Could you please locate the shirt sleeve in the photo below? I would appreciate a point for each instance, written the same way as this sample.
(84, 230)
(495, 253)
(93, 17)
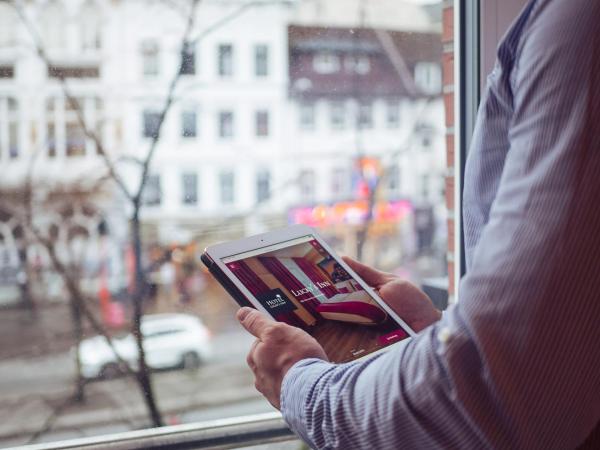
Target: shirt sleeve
(515, 363)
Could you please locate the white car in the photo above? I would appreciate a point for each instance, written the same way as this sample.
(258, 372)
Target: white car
(170, 340)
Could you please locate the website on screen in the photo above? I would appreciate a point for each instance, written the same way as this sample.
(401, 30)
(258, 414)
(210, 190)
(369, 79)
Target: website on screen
(301, 284)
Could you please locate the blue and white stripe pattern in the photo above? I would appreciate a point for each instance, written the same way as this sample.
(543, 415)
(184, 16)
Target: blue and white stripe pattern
(516, 363)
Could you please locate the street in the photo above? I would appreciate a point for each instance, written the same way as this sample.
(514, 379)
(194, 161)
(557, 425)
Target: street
(33, 393)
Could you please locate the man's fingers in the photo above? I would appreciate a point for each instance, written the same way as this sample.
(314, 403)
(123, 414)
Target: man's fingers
(372, 276)
(253, 321)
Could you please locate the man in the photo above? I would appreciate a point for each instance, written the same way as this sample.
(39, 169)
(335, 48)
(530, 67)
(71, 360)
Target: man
(516, 363)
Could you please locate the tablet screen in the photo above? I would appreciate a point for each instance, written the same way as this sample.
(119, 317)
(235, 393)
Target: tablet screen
(298, 282)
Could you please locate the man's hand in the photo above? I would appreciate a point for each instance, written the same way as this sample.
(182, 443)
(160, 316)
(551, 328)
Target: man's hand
(407, 300)
(277, 348)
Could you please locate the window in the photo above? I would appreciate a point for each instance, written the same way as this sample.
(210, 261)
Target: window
(189, 123)
(307, 185)
(150, 56)
(425, 185)
(326, 63)
(189, 189)
(226, 124)
(225, 56)
(392, 114)
(53, 21)
(365, 115)
(263, 132)
(393, 179)
(89, 26)
(227, 187)
(307, 116)
(73, 71)
(188, 59)
(338, 115)
(153, 191)
(261, 61)
(339, 182)
(263, 186)
(151, 124)
(7, 72)
(8, 21)
(428, 77)
(262, 123)
(9, 128)
(357, 64)
(65, 134)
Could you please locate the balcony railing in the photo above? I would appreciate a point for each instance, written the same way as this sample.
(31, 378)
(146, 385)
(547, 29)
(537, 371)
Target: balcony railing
(217, 434)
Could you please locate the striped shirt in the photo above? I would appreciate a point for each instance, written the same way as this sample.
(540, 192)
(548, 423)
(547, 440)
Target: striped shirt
(516, 363)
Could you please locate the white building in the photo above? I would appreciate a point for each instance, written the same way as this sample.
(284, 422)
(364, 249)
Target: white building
(244, 140)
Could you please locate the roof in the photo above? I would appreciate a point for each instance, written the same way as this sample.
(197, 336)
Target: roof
(393, 56)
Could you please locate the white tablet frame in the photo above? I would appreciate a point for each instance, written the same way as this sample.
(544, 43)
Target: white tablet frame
(223, 250)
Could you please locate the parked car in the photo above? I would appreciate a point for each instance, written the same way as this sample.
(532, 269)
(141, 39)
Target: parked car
(170, 341)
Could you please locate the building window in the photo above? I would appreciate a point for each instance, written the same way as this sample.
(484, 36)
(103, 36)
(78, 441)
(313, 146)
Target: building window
(428, 77)
(188, 59)
(326, 62)
(189, 189)
(225, 57)
(8, 22)
(226, 124)
(151, 124)
(392, 114)
(307, 116)
(261, 60)
(365, 115)
(393, 179)
(357, 64)
(307, 185)
(262, 123)
(263, 186)
(339, 182)
(150, 56)
(189, 123)
(9, 128)
(89, 24)
(65, 134)
(53, 25)
(425, 182)
(227, 185)
(7, 71)
(152, 191)
(71, 71)
(338, 115)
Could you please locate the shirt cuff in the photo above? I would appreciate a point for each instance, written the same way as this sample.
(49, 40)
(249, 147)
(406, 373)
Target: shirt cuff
(297, 385)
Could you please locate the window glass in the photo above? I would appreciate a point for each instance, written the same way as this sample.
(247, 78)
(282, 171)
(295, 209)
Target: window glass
(338, 115)
(263, 186)
(328, 113)
(262, 123)
(151, 121)
(261, 60)
(153, 191)
(307, 116)
(326, 62)
(227, 187)
(188, 59)
(150, 62)
(365, 115)
(225, 55)
(226, 124)
(189, 123)
(393, 114)
(189, 183)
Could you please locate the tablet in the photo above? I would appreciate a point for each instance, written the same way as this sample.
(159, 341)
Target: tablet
(293, 276)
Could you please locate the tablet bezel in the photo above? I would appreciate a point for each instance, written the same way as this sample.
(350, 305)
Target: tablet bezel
(228, 249)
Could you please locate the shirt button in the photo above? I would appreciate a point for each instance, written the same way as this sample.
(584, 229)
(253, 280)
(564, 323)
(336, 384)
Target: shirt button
(444, 335)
